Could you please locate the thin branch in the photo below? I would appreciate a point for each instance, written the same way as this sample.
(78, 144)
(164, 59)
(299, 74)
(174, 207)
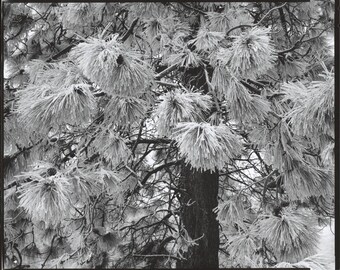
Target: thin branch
(301, 41)
(50, 252)
(149, 141)
(9, 158)
(251, 88)
(62, 52)
(239, 26)
(165, 72)
(270, 11)
(256, 24)
(130, 31)
(167, 84)
(159, 168)
(15, 246)
(211, 89)
(193, 8)
(138, 137)
(157, 255)
(148, 175)
(18, 182)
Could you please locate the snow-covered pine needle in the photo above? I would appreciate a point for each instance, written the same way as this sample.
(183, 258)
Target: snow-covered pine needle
(242, 246)
(219, 21)
(178, 107)
(244, 106)
(206, 147)
(289, 68)
(52, 107)
(227, 19)
(314, 262)
(112, 67)
(184, 58)
(305, 181)
(53, 75)
(124, 110)
(251, 53)
(313, 110)
(291, 236)
(206, 40)
(231, 212)
(46, 198)
(111, 147)
(77, 15)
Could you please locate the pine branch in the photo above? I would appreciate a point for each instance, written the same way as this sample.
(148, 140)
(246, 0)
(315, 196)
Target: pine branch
(17, 183)
(166, 84)
(138, 137)
(298, 44)
(50, 252)
(251, 88)
(149, 141)
(284, 23)
(238, 26)
(193, 8)
(62, 52)
(211, 89)
(159, 168)
(10, 158)
(15, 247)
(130, 31)
(158, 255)
(256, 24)
(99, 94)
(165, 72)
(148, 175)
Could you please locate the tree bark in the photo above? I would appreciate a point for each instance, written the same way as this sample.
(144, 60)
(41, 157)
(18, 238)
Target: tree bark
(200, 199)
(198, 218)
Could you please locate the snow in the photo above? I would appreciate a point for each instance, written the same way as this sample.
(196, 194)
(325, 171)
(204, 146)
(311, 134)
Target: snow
(326, 244)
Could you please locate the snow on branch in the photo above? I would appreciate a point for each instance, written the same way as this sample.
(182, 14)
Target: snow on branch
(178, 107)
(206, 147)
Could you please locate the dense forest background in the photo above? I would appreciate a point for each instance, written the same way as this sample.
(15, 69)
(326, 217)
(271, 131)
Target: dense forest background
(164, 135)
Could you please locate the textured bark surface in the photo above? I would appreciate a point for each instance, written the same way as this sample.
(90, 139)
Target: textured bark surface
(198, 218)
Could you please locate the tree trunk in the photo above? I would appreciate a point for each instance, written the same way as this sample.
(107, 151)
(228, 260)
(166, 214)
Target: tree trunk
(198, 218)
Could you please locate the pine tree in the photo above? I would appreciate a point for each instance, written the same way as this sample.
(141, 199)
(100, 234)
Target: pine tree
(164, 135)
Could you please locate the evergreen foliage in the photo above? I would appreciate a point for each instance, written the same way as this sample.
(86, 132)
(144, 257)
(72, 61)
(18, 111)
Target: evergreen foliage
(117, 116)
(214, 144)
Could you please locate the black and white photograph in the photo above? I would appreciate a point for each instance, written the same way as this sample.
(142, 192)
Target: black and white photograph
(160, 135)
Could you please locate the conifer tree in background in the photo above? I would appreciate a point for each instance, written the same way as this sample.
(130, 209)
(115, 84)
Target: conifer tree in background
(164, 135)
